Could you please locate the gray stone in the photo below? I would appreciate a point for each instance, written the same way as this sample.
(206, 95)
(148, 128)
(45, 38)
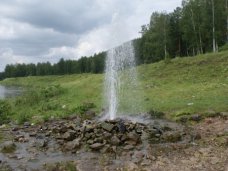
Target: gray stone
(98, 140)
(128, 147)
(152, 132)
(63, 129)
(32, 134)
(90, 142)
(123, 138)
(105, 149)
(41, 143)
(171, 136)
(88, 135)
(69, 135)
(107, 126)
(196, 118)
(146, 163)
(133, 137)
(18, 137)
(73, 145)
(138, 130)
(71, 126)
(89, 114)
(121, 126)
(27, 124)
(107, 135)
(89, 128)
(131, 127)
(96, 146)
(16, 128)
(115, 140)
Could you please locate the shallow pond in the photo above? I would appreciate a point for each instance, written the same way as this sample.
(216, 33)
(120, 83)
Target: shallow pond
(9, 91)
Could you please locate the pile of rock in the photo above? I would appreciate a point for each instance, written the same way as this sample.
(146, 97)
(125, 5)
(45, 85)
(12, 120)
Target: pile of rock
(106, 136)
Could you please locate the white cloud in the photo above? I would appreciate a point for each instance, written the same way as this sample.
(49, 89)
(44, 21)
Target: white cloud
(70, 29)
(7, 57)
(120, 29)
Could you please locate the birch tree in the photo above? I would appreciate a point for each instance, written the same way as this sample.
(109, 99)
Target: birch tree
(213, 24)
(227, 21)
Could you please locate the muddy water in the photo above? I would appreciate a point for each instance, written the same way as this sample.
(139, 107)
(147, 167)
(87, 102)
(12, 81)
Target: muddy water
(28, 156)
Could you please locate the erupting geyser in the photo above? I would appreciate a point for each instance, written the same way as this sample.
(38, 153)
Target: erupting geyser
(121, 81)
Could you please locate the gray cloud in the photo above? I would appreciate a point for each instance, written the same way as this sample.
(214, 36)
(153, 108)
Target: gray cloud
(36, 30)
(63, 16)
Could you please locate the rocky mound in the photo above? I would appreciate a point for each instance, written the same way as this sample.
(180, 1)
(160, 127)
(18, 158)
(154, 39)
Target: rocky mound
(104, 136)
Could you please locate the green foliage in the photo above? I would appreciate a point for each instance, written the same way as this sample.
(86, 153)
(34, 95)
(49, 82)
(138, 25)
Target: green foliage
(92, 64)
(156, 114)
(81, 109)
(60, 166)
(22, 117)
(51, 91)
(5, 111)
(224, 47)
(187, 31)
(34, 96)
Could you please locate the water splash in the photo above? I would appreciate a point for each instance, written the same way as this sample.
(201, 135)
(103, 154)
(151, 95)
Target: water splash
(121, 81)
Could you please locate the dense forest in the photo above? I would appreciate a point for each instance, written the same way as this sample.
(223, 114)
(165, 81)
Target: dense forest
(198, 27)
(93, 64)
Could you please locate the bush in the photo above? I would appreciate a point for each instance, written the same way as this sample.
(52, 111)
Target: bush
(49, 106)
(156, 114)
(224, 47)
(5, 111)
(85, 107)
(51, 91)
(35, 96)
(22, 118)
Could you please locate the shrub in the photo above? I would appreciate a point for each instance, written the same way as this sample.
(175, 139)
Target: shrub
(156, 114)
(224, 47)
(5, 111)
(51, 91)
(85, 107)
(34, 96)
(22, 118)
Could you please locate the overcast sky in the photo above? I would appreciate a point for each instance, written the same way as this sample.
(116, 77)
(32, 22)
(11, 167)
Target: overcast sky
(39, 31)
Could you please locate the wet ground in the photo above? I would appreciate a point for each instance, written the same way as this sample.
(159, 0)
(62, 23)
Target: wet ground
(75, 144)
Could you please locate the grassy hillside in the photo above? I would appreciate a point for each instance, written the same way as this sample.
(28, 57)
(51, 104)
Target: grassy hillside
(182, 85)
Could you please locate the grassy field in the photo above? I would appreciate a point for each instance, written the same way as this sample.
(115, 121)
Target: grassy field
(179, 86)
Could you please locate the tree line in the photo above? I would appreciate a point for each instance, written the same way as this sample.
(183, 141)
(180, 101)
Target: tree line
(93, 64)
(197, 27)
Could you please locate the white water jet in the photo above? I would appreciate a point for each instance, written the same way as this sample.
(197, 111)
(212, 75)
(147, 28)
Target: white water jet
(120, 81)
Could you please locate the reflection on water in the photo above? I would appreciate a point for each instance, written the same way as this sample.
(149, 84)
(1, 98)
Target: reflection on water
(6, 91)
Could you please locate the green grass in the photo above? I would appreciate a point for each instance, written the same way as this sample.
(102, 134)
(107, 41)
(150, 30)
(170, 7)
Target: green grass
(183, 85)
